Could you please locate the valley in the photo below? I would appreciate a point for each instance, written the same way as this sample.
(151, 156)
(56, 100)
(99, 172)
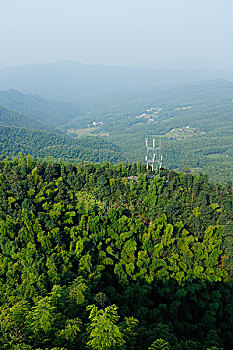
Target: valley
(83, 229)
(194, 121)
(116, 175)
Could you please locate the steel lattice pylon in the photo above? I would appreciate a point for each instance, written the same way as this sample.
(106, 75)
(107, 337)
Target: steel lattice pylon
(153, 158)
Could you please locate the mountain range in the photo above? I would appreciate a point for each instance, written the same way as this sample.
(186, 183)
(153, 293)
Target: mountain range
(70, 81)
(93, 113)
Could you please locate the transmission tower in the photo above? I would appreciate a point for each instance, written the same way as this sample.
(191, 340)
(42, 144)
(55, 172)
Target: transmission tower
(153, 159)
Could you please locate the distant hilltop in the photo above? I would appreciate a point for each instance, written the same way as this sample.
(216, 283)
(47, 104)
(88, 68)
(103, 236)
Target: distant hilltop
(70, 80)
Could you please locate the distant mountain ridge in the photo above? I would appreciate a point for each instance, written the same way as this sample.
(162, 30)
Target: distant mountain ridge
(69, 81)
(196, 92)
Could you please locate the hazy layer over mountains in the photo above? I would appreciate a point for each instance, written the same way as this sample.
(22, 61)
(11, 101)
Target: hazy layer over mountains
(70, 80)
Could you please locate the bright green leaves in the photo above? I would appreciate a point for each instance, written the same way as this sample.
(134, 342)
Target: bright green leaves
(85, 264)
(196, 212)
(159, 344)
(77, 235)
(56, 211)
(79, 247)
(228, 245)
(207, 256)
(53, 272)
(167, 235)
(164, 251)
(104, 334)
(42, 317)
(14, 323)
(33, 177)
(129, 330)
(11, 200)
(128, 251)
(69, 334)
(77, 290)
(174, 253)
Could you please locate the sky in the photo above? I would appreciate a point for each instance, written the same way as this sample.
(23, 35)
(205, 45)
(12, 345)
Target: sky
(170, 34)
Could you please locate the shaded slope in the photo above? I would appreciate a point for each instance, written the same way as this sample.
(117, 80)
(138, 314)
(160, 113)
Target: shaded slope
(37, 107)
(15, 119)
(43, 144)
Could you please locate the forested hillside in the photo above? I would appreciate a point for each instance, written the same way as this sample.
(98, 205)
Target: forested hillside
(93, 260)
(193, 121)
(14, 119)
(44, 144)
(38, 108)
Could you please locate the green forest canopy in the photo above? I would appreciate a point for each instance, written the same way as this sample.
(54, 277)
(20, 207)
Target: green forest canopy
(92, 260)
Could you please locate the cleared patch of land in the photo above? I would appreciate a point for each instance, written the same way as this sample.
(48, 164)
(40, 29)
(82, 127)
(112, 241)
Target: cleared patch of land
(92, 131)
(183, 132)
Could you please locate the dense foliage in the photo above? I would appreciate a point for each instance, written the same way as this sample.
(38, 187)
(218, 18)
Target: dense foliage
(37, 108)
(14, 119)
(90, 259)
(39, 143)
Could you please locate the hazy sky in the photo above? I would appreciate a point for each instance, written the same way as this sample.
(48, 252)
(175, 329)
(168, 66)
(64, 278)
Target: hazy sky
(187, 34)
